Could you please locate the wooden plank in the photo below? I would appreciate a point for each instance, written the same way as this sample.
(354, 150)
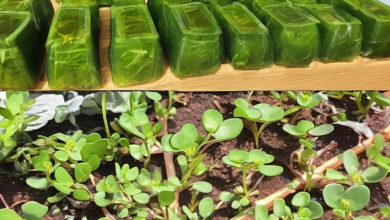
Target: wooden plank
(361, 74)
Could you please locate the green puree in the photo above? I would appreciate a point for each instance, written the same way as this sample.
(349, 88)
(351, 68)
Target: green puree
(340, 33)
(293, 31)
(24, 27)
(192, 39)
(135, 52)
(375, 18)
(72, 51)
(247, 41)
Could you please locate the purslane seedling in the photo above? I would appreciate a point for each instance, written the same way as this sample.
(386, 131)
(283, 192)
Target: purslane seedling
(282, 95)
(31, 211)
(260, 113)
(306, 209)
(246, 161)
(374, 153)
(356, 176)
(306, 131)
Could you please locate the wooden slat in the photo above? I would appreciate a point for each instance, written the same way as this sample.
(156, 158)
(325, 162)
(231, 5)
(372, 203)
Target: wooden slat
(361, 74)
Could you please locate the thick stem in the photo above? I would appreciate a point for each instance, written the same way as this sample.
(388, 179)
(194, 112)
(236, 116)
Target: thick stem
(244, 184)
(104, 112)
(256, 134)
(146, 163)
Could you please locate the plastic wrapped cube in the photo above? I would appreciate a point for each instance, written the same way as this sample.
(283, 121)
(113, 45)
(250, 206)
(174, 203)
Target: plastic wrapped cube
(93, 6)
(375, 18)
(19, 67)
(128, 2)
(340, 32)
(157, 8)
(192, 39)
(135, 51)
(247, 41)
(293, 31)
(72, 52)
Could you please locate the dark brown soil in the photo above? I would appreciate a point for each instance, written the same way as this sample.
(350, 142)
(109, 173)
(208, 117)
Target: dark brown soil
(273, 140)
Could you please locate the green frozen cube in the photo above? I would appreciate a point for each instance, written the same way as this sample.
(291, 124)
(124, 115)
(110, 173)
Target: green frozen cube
(93, 6)
(72, 52)
(19, 67)
(293, 31)
(192, 39)
(135, 51)
(340, 33)
(247, 41)
(375, 18)
(128, 2)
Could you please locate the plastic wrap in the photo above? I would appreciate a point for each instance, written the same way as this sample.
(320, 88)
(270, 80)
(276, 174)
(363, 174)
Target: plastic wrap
(375, 18)
(247, 41)
(72, 50)
(128, 2)
(293, 31)
(135, 51)
(192, 39)
(340, 32)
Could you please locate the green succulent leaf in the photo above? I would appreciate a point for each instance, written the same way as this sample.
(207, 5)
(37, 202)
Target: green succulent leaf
(9, 214)
(239, 156)
(155, 96)
(94, 162)
(321, 130)
(226, 196)
(374, 174)
(316, 209)
(241, 103)
(382, 161)
(144, 180)
(135, 151)
(141, 198)
(260, 157)
(357, 196)
(333, 174)
(340, 213)
(165, 198)
(183, 163)
(99, 147)
(34, 211)
(301, 199)
(62, 188)
(56, 198)
(63, 177)
(380, 98)
(206, 207)
(132, 174)
(203, 187)
(350, 162)
(185, 138)
(82, 172)
(333, 194)
(157, 128)
(131, 190)
(102, 199)
(366, 217)
(200, 169)
(261, 212)
(269, 114)
(270, 170)
(279, 207)
(61, 156)
(38, 182)
(251, 114)
(244, 201)
(81, 195)
(310, 100)
(212, 119)
(93, 137)
(229, 129)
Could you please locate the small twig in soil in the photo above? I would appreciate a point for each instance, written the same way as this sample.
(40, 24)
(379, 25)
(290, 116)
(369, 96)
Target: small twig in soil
(218, 105)
(92, 178)
(4, 202)
(18, 202)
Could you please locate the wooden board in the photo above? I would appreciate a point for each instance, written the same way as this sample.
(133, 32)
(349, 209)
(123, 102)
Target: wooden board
(361, 74)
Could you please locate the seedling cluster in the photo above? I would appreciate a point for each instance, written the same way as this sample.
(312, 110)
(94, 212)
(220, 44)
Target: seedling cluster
(67, 162)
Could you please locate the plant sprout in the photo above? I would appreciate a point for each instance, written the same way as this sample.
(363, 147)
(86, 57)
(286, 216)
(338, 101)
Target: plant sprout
(261, 113)
(282, 95)
(374, 153)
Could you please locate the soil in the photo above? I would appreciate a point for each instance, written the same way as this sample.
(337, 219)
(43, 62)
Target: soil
(223, 178)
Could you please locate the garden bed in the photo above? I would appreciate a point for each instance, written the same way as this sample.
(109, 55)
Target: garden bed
(273, 141)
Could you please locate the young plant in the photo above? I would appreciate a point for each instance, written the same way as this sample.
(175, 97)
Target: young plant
(31, 211)
(306, 99)
(14, 121)
(344, 202)
(355, 175)
(193, 144)
(282, 95)
(373, 96)
(306, 131)
(246, 161)
(374, 153)
(260, 113)
(306, 209)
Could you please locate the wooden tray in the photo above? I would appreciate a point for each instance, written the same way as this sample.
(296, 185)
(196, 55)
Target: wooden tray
(361, 74)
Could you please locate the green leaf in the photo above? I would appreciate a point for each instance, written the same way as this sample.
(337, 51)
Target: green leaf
(333, 174)
(82, 172)
(239, 156)
(141, 198)
(102, 200)
(226, 196)
(244, 201)
(203, 187)
(6, 113)
(374, 174)
(157, 128)
(93, 137)
(340, 213)
(380, 98)
(301, 199)
(293, 130)
(56, 198)
(279, 207)
(182, 161)
(229, 129)
(260, 157)
(241, 103)
(212, 119)
(62, 188)
(131, 190)
(316, 209)
(99, 147)
(34, 211)
(378, 141)
(166, 144)
(270, 170)
(350, 162)
(185, 138)
(252, 114)
(165, 198)
(38, 182)
(385, 211)
(63, 177)
(321, 130)
(309, 100)
(144, 180)
(122, 212)
(81, 195)
(307, 142)
(132, 174)
(269, 114)
(382, 161)
(206, 207)
(135, 151)
(155, 96)
(200, 169)
(261, 212)
(61, 156)
(333, 194)
(358, 197)
(366, 217)
(9, 214)
(94, 161)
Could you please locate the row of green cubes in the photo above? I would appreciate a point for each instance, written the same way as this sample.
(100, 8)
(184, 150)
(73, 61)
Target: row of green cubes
(196, 37)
